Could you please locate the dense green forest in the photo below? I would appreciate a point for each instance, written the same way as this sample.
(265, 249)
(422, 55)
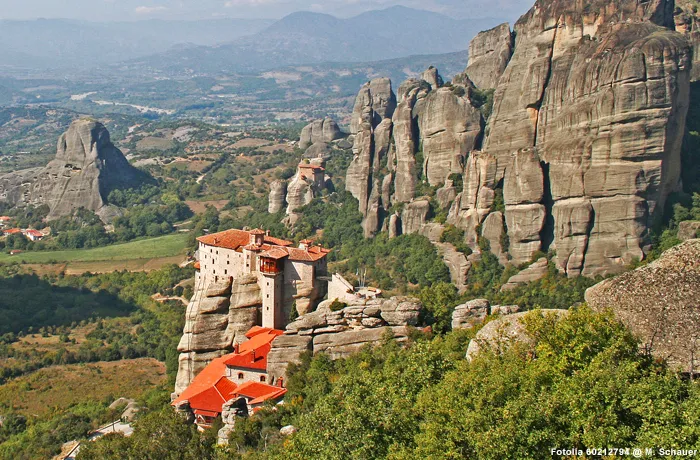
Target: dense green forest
(582, 384)
(124, 323)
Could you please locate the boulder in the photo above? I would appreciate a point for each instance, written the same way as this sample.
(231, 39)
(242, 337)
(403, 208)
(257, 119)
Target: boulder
(689, 230)
(659, 303)
(319, 131)
(470, 314)
(503, 332)
(344, 332)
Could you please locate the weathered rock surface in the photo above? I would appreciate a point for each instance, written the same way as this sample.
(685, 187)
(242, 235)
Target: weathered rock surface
(450, 127)
(414, 216)
(319, 131)
(502, 333)
(475, 311)
(278, 197)
(687, 22)
(217, 317)
(532, 273)
(689, 230)
(489, 53)
(470, 314)
(344, 332)
(660, 303)
(86, 168)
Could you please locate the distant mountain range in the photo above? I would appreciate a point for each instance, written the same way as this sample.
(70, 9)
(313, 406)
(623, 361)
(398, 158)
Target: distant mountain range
(61, 43)
(232, 45)
(312, 38)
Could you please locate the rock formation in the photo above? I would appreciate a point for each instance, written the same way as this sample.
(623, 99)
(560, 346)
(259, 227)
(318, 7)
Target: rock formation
(278, 197)
(86, 168)
(532, 273)
(343, 332)
(489, 53)
(580, 151)
(687, 22)
(504, 332)
(319, 132)
(475, 311)
(309, 182)
(660, 303)
(689, 230)
(217, 317)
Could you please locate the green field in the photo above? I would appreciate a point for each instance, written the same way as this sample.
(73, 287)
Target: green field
(164, 246)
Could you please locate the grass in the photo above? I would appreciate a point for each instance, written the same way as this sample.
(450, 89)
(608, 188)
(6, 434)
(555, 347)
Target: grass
(163, 246)
(59, 387)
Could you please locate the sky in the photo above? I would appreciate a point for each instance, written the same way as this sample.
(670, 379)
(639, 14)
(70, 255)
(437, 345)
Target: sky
(131, 10)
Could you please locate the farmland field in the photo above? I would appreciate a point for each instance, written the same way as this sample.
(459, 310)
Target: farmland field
(153, 248)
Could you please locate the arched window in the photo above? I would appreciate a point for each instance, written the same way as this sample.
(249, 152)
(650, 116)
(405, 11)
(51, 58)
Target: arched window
(262, 378)
(240, 376)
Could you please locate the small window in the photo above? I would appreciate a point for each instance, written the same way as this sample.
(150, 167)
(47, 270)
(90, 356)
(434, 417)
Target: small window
(240, 376)
(268, 283)
(225, 272)
(262, 378)
(268, 296)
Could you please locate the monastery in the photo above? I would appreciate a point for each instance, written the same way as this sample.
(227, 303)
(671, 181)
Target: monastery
(286, 274)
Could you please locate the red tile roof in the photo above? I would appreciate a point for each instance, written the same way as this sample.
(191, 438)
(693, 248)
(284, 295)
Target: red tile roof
(34, 233)
(252, 354)
(238, 239)
(12, 231)
(235, 239)
(275, 253)
(258, 393)
(210, 389)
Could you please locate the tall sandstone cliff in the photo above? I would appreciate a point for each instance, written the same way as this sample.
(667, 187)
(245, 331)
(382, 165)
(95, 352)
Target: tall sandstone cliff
(86, 168)
(582, 146)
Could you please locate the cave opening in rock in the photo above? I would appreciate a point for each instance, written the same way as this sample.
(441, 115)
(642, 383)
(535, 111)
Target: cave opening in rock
(547, 232)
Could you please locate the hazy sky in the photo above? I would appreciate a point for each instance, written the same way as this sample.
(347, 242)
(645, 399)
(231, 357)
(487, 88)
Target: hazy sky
(111, 10)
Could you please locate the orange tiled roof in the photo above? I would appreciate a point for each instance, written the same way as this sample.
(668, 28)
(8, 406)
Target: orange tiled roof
(275, 253)
(235, 239)
(34, 233)
(252, 354)
(258, 392)
(210, 389)
(205, 390)
(12, 231)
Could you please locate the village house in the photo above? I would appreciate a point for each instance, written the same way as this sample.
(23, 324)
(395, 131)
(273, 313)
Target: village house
(240, 376)
(33, 235)
(5, 221)
(286, 274)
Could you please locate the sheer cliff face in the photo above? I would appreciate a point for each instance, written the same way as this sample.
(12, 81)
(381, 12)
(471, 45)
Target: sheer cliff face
(583, 141)
(86, 168)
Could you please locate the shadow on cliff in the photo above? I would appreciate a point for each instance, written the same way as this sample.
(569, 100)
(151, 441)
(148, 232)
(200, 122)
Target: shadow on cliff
(28, 301)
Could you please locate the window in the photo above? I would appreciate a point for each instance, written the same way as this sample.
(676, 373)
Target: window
(240, 376)
(268, 296)
(262, 378)
(225, 272)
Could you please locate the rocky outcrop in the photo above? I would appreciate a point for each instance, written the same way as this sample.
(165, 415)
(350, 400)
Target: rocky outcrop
(660, 303)
(414, 216)
(344, 332)
(489, 53)
(502, 333)
(689, 230)
(278, 197)
(217, 317)
(319, 132)
(532, 273)
(475, 311)
(86, 169)
(687, 22)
